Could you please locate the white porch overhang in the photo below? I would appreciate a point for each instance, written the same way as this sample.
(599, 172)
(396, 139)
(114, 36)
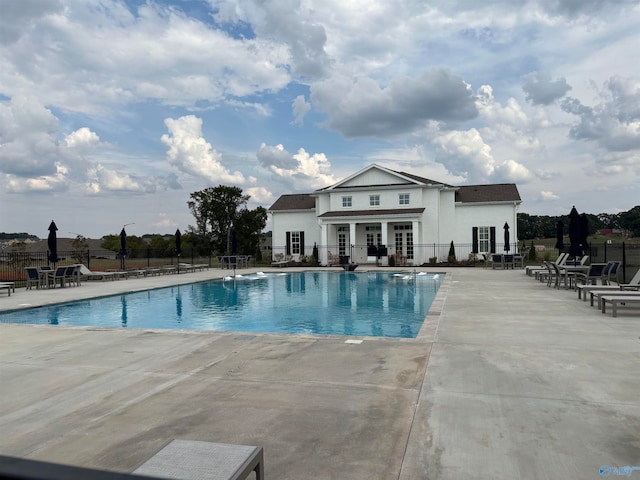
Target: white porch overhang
(370, 215)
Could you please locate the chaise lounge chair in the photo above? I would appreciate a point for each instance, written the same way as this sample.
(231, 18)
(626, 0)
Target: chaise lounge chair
(86, 274)
(280, 260)
(633, 285)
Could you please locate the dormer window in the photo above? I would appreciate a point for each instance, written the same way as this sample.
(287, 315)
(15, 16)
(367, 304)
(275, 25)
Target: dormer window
(374, 200)
(403, 199)
(346, 201)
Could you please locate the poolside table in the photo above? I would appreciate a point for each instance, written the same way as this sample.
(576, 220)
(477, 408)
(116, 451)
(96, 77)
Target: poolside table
(8, 286)
(187, 459)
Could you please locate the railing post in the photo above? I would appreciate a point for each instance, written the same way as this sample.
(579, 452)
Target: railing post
(624, 263)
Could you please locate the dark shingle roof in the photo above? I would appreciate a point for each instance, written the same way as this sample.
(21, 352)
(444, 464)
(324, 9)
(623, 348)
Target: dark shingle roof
(297, 201)
(498, 192)
(426, 181)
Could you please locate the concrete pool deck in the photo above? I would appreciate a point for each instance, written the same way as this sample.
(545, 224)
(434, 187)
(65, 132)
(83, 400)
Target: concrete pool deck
(509, 379)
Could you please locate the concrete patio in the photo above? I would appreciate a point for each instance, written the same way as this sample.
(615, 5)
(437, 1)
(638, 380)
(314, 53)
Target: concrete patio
(508, 379)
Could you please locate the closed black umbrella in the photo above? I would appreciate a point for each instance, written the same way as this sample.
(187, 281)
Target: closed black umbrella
(123, 242)
(52, 243)
(560, 236)
(123, 247)
(178, 242)
(178, 246)
(506, 237)
(574, 233)
(584, 233)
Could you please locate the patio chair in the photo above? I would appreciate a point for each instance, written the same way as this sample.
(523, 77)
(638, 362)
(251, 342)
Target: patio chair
(518, 260)
(33, 277)
(60, 274)
(333, 259)
(551, 274)
(533, 270)
(594, 274)
(280, 260)
(612, 275)
(72, 275)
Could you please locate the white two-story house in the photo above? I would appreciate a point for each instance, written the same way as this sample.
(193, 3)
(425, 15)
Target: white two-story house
(408, 216)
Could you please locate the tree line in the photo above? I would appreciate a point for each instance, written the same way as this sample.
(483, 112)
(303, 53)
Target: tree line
(223, 226)
(544, 226)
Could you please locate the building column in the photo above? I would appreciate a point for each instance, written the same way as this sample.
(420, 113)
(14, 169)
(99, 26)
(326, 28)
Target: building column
(352, 240)
(323, 256)
(417, 240)
(384, 226)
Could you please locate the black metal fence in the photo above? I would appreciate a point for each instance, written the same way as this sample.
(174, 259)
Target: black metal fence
(626, 253)
(12, 264)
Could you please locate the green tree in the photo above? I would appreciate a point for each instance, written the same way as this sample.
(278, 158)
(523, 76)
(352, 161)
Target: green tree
(136, 246)
(80, 248)
(630, 220)
(161, 247)
(248, 226)
(219, 210)
(111, 242)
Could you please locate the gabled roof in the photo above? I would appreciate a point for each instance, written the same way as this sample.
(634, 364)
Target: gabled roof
(490, 193)
(424, 180)
(399, 178)
(296, 201)
(496, 192)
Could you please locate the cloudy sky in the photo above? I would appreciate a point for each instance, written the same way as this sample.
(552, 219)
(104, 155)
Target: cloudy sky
(113, 112)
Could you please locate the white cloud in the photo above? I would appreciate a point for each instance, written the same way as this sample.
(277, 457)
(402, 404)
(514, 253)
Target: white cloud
(260, 195)
(541, 90)
(82, 140)
(361, 107)
(28, 135)
(614, 123)
(301, 170)
(190, 152)
(300, 108)
(464, 153)
(511, 171)
(547, 195)
(289, 22)
(106, 56)
(44, 183)
(33, 159)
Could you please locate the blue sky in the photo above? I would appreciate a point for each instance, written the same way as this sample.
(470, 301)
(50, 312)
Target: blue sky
(113, 112)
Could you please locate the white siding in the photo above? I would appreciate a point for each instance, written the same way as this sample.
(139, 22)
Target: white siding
(469, 216)
(304, 221)
(373, 176)
(441, 222)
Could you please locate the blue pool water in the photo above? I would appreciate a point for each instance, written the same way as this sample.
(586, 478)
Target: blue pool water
(382, 304)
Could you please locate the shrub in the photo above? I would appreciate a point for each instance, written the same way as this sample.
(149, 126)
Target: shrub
(452, 253)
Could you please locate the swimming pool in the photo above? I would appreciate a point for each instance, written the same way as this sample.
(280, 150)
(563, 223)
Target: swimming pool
(381, 304)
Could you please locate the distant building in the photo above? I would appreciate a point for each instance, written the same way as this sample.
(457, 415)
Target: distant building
(399, 211)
